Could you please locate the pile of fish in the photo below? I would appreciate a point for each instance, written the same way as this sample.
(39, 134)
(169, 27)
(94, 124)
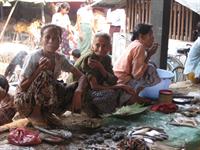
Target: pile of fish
(113, 133)
(149, 134)
(184, 121)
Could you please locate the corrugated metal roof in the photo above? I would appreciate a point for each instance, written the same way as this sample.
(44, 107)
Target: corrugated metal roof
(109, 3)
(46, 1)
(191, 4)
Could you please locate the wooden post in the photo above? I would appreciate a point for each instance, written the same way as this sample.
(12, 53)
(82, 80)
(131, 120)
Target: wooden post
(42, 13)
(160, 18)
(7, 21)
(1, 7)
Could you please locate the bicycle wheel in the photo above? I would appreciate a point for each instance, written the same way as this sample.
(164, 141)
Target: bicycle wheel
(178, 74)
(170, 67)
(174, 61)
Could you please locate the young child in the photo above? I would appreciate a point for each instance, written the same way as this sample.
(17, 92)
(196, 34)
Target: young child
(75, 54)
(61, 18)
(104, 93)
(7, 109)
(39, 95)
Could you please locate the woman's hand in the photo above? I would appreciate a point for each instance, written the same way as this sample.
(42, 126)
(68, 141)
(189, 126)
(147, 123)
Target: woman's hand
(152, 50)
(76, 102)
(44, 64)
(94, 64)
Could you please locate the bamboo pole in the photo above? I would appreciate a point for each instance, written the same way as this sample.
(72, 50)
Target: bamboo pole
(7, 21)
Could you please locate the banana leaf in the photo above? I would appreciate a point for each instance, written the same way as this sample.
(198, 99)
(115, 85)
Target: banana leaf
(129, 110)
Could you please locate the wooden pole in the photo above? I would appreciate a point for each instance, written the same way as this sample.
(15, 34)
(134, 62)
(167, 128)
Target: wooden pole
(160, 18)
(42, 13)
(1, 5)
(7, 21)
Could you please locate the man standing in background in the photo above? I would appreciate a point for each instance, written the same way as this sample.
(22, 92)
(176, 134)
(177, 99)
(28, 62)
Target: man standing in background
(116, 19)
(85, 27)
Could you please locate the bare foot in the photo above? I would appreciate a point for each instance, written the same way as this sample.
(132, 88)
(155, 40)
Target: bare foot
(36, 117)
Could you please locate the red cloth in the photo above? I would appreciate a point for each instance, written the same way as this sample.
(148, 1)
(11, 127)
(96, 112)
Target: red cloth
(165, 108)
(24, 137)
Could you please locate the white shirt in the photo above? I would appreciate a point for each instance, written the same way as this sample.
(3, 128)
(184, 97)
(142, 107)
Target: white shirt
(193, 61)
(32, 61)
(85, 14)
(61, 20)
(116, 17)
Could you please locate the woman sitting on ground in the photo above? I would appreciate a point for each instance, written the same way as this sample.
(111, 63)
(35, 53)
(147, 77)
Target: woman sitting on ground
(39, 95)
(7, 109)
(104, 95)
(133, 67)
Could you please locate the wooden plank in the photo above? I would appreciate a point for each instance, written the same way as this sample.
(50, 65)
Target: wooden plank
(146, 11)
(182, 23)
(190, 27)
(149, 12)
(179, 21)
(133, 14)
(143, 11)
(186, 25)
(171, 20)
(135, 18)
(139, 12)
(174, 20)
(127, 16)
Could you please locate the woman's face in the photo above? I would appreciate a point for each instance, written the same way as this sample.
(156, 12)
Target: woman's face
(64, 11)
(148, 39)
(51, 39)
(101, 46)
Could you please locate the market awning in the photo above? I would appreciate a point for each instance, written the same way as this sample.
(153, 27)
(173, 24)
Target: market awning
(109, 3)
(45, 1)
(191, 4)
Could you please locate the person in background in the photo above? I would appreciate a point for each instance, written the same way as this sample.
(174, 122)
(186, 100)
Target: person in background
(85, 27)
(40, 96)
(192, 65)
(116, 19)
(104, 94)
(7, 109)
(76, 54)
(61, 18)
(14, 67)
(133, 67)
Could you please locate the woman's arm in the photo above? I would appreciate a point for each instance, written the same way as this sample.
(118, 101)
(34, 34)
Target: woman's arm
(151, 51)
(95, 86)
(26, 82)
(80, 77)
(106, 72)
(78, 94)
(2, 93)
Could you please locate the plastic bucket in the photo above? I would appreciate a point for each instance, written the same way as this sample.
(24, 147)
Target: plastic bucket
(152, 92)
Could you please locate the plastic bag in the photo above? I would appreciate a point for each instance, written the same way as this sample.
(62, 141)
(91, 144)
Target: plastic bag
(24, 137)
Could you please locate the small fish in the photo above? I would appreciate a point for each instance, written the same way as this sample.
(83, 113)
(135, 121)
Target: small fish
(141, 131)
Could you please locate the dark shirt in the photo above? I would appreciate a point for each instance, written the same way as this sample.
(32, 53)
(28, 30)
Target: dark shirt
(82, 65)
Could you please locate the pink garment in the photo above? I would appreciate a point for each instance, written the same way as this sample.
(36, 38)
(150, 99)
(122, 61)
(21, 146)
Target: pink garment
(132, 63)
